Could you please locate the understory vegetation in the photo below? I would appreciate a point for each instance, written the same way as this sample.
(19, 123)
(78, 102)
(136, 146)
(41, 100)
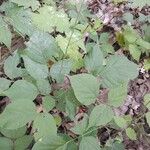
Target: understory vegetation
(70, 75)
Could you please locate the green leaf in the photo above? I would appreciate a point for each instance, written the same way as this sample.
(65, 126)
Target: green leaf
(131, 133)
(71, 103)
(143, 44)
(21, 21)
(53, 20)
(41, 47)
(10, 66)
(45, 125)
(50, 143)
(135, 51)
(120, 121)
(43, 86)
(4, 84)
(118, 70)
(67, 102)
(23, 142)
(36, 70)
(70, 47)
(5, 34)
(147, 64)
(58, 120)
(60, 69)
(128, 17)
(50, 2)
(89, 143)
(72, 146)
(140, 3)
(117, 95)
(107, 49)
(17, 114)
(117, 146)
(147, 101)
(34, 4)
(5, 6)
(48, 103)
(130, 35)
(86, 88)
(148, 118)
(100, 115)
(6, 144)
(94, 60)
(81, 126)
(22, 90)
(71, 106)
(14, 134)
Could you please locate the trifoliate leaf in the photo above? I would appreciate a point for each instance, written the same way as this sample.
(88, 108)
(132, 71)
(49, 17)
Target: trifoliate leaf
(10, 66)
(36, 70)
(48, 103)
(43, 86)
(41, 47)
(118, 70)
(5, 34)
(60, 69)
(116, 95)
(100, 115)
(34, 4)
(131, 133)
(94, 60)
(86, 88)
(45, 125)
(17, 114)
(22, 90)
(53, 20)
(23, 142)
(4, 84)
(14, 134)
(89, 143)
(6, 144)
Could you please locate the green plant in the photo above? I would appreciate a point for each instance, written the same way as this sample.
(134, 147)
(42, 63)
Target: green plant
(44, 77)
(131, 40)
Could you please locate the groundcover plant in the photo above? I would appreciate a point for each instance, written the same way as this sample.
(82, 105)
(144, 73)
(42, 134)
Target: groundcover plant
(66, 75)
